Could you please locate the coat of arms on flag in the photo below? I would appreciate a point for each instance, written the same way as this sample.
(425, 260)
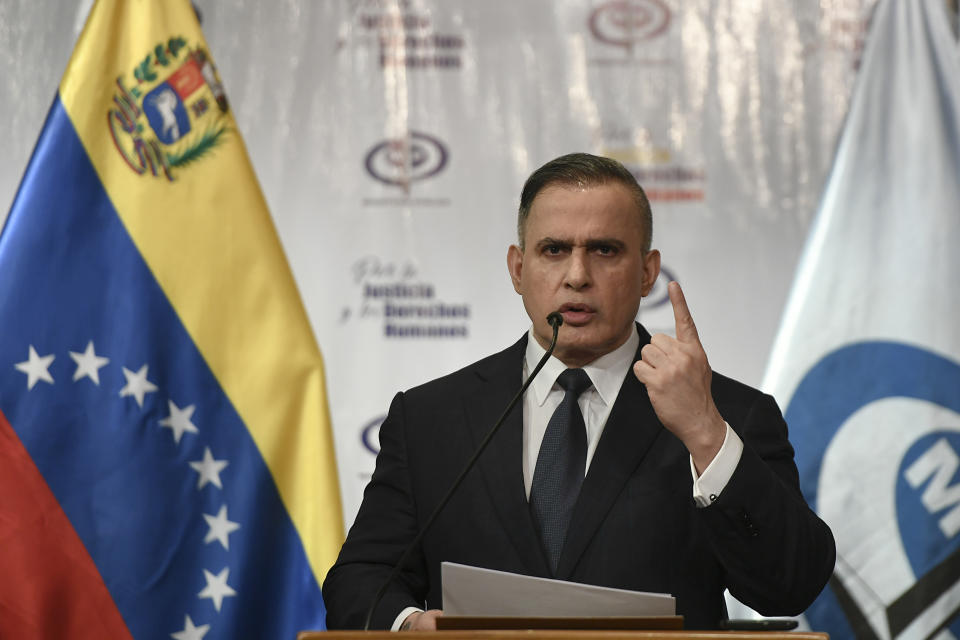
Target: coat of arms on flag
(176, 90)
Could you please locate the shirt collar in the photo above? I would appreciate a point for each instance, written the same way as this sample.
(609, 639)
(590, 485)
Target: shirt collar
(606, 372)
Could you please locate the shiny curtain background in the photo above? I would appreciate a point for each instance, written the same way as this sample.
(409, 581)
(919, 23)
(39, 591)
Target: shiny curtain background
(394, 185)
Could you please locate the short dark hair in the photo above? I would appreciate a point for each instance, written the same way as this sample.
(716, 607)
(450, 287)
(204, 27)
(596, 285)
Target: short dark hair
(586, 170)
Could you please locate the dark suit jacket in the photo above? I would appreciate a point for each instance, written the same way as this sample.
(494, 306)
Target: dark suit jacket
(635, 525)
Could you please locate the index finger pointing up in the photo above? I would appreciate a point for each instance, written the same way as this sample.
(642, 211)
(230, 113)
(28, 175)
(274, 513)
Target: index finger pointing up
(686, 329)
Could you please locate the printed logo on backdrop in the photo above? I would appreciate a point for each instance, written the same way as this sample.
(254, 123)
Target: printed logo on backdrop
(401, 34)
(655, 312)
(659, 169)
(876, 427)
(399, 163)
(658, 296)
(370, 439)
(844, 31)
(625, 29)
(370, 434)
(403, 305)
(169, 110)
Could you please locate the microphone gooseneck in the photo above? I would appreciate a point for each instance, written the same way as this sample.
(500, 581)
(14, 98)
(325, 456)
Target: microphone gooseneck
(555, 320)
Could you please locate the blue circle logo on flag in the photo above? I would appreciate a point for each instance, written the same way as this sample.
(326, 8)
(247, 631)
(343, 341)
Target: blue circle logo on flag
(876, 427)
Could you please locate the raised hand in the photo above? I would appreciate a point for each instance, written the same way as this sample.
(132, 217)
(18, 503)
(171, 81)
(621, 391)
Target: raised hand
(677, 376)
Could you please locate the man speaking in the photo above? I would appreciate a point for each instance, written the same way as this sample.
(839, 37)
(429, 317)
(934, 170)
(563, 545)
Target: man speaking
(630, 464)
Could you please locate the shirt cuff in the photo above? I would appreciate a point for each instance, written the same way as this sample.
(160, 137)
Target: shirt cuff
(403, 616)
(707, 488)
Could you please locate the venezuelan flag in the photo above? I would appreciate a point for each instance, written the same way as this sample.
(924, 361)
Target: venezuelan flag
(166, 463)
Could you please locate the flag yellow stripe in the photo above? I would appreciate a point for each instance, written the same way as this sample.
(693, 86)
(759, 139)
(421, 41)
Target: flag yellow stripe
(208, 239)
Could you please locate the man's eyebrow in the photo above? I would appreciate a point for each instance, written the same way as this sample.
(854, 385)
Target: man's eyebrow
(593, 243)
(553, 242)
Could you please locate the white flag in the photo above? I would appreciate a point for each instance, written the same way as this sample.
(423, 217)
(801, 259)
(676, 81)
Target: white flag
(867, 360)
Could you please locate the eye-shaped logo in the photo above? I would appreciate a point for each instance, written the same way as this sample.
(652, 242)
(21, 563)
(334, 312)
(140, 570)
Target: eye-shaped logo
(624, 23)
(659, 295)
(370, 435)
(401, 161)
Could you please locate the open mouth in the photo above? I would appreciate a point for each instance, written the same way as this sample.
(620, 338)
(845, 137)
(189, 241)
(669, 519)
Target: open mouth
(576, 313)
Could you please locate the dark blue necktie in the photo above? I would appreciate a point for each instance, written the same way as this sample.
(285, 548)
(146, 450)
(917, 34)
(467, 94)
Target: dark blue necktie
(560, 466)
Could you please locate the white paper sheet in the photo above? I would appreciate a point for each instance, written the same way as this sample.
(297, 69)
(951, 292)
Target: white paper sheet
(472, 591)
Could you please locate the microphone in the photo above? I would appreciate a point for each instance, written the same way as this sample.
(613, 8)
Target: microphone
(555, 320)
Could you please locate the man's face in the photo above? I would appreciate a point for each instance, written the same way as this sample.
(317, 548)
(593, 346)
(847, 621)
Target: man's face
(583, 256)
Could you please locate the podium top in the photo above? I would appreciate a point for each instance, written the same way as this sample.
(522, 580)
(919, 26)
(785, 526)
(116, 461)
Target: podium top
(562, 635)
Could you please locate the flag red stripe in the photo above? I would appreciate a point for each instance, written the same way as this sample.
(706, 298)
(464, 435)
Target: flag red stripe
(50, 587)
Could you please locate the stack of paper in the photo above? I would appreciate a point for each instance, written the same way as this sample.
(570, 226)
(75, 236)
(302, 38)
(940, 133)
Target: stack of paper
(471, 591)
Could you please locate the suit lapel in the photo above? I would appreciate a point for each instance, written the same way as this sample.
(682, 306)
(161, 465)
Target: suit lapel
(499, 379)
(629, 433)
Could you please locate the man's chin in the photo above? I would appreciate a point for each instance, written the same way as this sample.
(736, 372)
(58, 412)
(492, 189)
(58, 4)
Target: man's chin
(577, 353)
(586, 344)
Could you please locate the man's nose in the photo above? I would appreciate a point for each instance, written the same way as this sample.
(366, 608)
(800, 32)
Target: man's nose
(578, 270)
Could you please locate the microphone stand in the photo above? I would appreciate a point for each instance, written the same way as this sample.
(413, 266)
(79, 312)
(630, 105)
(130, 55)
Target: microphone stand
(555, 320)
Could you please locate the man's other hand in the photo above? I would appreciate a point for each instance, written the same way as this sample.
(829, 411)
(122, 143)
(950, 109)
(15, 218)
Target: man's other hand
(422, 620)
(677, 376)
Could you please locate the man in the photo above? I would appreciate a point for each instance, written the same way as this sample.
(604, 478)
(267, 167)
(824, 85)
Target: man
(646, 471)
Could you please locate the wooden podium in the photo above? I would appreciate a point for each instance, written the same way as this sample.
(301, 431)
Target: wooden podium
(561, 635)
(600, 628)
(559, 628)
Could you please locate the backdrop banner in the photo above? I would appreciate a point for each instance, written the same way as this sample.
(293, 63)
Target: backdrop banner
(392, 137)
(400, 214)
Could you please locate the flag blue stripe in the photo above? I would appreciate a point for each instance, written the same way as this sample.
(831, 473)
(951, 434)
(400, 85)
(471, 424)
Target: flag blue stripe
(70, 274)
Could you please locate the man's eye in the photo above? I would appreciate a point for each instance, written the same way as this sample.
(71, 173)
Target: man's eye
(553, 249)
(606, 250)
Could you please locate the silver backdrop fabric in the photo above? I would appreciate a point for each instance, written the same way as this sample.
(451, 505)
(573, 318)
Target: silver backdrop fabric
(391, 138)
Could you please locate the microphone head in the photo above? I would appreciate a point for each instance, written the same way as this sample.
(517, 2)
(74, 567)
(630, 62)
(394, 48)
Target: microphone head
(555, 319)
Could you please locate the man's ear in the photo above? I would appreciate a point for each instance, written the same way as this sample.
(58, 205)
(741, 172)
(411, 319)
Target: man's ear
(515, 265)
(651, 271)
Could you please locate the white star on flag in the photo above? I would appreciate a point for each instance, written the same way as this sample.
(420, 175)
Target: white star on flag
(36, 368)
(209, 469)
(217, 588)
(88, 364)
(137, 384)
(190, 632)
(179, 421)
(220, 528)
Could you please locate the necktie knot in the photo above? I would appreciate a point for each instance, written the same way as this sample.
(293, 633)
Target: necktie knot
(574, 381)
